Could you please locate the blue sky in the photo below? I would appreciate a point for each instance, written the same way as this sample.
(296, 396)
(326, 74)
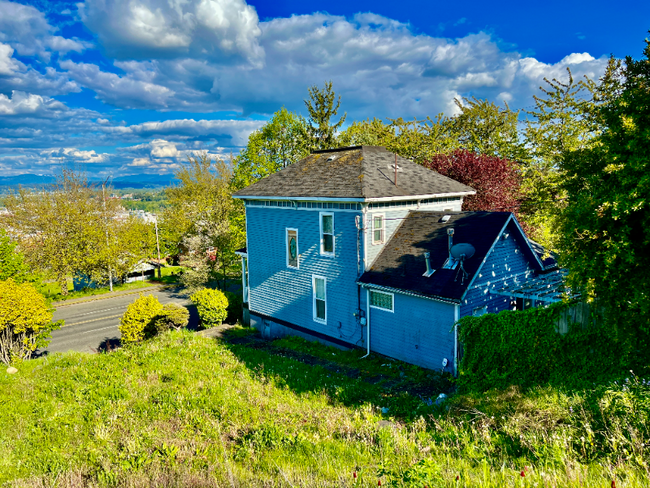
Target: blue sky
(133, 86)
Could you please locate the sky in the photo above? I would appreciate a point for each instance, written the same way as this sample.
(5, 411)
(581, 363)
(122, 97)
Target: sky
(127, 87)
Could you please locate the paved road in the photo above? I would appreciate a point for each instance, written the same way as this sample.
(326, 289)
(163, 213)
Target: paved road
(90, 325)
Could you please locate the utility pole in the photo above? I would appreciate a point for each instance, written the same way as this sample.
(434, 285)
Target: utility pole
(155, 221)
(110, 272)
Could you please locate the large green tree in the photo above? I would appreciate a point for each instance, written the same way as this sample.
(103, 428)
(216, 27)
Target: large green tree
(322, 105)
(202, 220)
(61, 230)
(281, 141)
(12, 261)
(605, 238)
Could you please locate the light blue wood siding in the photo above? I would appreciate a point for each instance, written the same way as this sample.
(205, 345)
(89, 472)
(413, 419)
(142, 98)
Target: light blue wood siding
(506, 264)
(393, 218)
(286, 293)
(419, 331)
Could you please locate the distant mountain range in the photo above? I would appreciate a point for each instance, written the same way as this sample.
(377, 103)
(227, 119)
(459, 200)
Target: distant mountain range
(130, 181)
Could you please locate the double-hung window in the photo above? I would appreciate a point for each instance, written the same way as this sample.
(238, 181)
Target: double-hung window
(381, 300)
(292, 248)
(320, 298)
(327, 233)
(377, 229)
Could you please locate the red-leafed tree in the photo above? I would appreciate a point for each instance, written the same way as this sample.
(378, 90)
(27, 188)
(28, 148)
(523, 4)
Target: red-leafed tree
(495, 180)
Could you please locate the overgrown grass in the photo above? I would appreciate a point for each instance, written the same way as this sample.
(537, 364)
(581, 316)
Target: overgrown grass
(183, 410)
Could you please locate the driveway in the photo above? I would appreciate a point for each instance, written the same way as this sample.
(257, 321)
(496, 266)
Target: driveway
(92, 325)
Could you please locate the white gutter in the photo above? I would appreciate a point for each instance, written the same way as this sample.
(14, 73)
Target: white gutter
(367, 324)
(421, 197)
(301, 199)
(357, 200)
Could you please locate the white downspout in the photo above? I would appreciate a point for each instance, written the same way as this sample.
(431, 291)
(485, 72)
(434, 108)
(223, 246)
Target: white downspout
(456, 319)
(367, 324)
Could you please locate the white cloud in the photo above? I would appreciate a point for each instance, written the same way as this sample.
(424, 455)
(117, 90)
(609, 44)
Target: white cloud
(8, 65)
(22, 103)
(206, 29)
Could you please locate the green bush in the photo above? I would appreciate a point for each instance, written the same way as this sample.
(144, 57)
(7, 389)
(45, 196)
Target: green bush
(235, 303)
(212, 306)
(524, 349)
(138, 322)
(173, 316)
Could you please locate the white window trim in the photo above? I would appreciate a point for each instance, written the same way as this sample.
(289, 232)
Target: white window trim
(286, 247)
(322, 241)
(392, 301)
(313, 292)
(383, 228)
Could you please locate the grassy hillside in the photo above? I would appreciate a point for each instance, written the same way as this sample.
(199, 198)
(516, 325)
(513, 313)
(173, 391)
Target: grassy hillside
(183, 410)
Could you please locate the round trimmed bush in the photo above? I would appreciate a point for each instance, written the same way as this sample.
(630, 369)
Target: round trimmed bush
(138, 322)
(212, 306)
(173, 316)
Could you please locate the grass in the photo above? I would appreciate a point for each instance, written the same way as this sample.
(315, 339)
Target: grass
(184, 410)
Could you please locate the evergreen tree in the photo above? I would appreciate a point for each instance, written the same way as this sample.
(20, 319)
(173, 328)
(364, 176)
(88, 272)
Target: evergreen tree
(321, 107)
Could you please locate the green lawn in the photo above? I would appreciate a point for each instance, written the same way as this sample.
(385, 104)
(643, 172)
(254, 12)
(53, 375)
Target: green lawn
(184, 410)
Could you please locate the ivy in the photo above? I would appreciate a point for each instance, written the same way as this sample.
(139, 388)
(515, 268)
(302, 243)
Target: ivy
(524, 348)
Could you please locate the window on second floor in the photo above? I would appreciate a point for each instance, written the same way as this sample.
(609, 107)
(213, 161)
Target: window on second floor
(292, 248)
(377, 229)
(326, 233)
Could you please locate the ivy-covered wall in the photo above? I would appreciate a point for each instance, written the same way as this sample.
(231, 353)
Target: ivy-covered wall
(524, 348)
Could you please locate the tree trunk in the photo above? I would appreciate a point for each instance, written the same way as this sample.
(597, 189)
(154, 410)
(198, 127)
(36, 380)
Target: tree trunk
(63, 282)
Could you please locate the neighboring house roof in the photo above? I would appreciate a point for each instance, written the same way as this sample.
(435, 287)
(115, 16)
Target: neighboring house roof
(548, 259)
(401, 264)
(361, 172)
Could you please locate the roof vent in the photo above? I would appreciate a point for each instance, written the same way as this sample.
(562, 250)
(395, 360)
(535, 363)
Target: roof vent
(332, 157)
(445, 218)
(430, 270)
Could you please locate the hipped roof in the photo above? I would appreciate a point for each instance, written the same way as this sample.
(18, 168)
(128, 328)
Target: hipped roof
(361, 172)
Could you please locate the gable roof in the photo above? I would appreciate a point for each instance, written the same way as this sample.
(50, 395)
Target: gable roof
(361, 173)
(401, 263)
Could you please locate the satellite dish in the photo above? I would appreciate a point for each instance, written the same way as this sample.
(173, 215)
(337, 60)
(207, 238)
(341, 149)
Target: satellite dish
(462, 251)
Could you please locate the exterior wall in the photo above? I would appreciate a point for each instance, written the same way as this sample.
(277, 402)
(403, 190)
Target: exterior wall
(419, 331)
(506, 264)
(393, 218)
(285, 293)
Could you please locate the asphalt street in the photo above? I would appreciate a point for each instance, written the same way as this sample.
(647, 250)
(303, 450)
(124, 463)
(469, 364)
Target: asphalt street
(91, 326)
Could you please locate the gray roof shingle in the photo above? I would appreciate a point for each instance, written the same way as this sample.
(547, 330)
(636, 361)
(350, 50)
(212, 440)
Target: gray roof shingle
(401, 263)
(362, 172)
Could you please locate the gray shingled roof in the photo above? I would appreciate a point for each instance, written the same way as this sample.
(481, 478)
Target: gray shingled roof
(401, 263)
(363, 172)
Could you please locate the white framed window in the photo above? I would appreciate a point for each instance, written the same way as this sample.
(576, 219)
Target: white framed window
(378, 229)
(381, 300)
(291, 239)
(326, 233)
(478, 311)
(319, 286)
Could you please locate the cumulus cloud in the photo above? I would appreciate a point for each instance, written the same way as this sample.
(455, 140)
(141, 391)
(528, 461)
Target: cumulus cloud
(22, 103)
(217, 30)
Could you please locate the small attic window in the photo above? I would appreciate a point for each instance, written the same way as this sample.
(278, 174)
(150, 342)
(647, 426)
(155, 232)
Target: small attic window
(332, 157)
(445, 218)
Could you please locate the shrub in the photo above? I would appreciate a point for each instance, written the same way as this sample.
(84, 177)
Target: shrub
(173, 316)
(25, 321)
(138, 322)
(212, 306)
(234, 307)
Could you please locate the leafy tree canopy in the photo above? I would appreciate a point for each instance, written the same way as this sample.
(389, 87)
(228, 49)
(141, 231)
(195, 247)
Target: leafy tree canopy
(12, 261)
(495, 180)
(606, 223)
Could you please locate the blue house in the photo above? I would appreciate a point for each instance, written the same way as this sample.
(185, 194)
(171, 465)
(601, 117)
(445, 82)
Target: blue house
(358, 247)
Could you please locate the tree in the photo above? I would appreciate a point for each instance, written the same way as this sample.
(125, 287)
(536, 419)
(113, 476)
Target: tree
(605, 227)
(12, 261)
(281, 141)
(321, 108)
(25, 321)
(60, 230)
(199, 218)
(417, 140)
(561, 124)
(485, 128)
(495, 180)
